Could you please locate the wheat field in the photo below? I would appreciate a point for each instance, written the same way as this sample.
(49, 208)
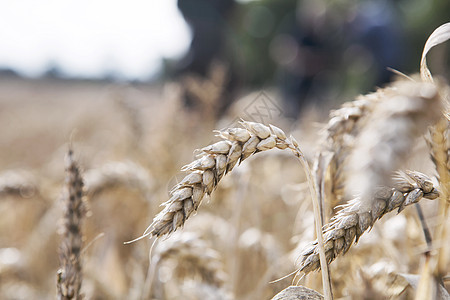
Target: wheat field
(86, 166)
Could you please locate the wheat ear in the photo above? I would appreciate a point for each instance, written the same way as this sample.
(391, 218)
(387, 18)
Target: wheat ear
(354, 219)
(389, 134)
(338, 141)
(215, 161)
(69, 276)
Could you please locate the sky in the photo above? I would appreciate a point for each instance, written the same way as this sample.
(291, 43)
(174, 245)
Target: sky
(91, 38)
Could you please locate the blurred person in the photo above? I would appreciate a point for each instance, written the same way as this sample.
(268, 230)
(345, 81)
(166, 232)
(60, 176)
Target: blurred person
(306, 52)
(311, 50)
(209, 22)
(325, 51)
(376, 29)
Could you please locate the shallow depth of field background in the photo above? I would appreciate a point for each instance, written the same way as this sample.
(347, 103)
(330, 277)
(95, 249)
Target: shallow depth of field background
(137, 90)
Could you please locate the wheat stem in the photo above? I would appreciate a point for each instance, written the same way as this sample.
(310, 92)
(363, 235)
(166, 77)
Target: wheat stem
(426, 230)
(326, 282)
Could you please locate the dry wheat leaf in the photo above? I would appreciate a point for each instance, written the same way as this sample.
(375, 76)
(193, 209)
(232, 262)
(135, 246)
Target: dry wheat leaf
(439, 36)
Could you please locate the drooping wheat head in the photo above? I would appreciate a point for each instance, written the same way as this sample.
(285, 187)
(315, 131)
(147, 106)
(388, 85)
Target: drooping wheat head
(215, 161)
(355, 217)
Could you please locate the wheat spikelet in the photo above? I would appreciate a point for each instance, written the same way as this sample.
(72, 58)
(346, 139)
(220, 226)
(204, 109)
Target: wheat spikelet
(215, 161)
(354, 218)
(70, 273)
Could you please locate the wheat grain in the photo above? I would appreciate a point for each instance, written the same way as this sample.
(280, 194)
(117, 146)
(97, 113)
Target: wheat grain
(70, 273)
(215, 161)
(354, 219)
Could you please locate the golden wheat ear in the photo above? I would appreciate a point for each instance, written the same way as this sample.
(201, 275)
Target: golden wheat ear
(355, 218)
(214, 162)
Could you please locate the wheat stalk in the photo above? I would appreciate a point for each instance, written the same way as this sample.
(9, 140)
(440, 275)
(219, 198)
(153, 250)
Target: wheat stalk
(215, 161)
(354, 219)
(70, 274)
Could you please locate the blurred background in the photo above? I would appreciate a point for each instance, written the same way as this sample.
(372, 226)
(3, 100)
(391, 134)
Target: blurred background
(139, 85)
(309, 51)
